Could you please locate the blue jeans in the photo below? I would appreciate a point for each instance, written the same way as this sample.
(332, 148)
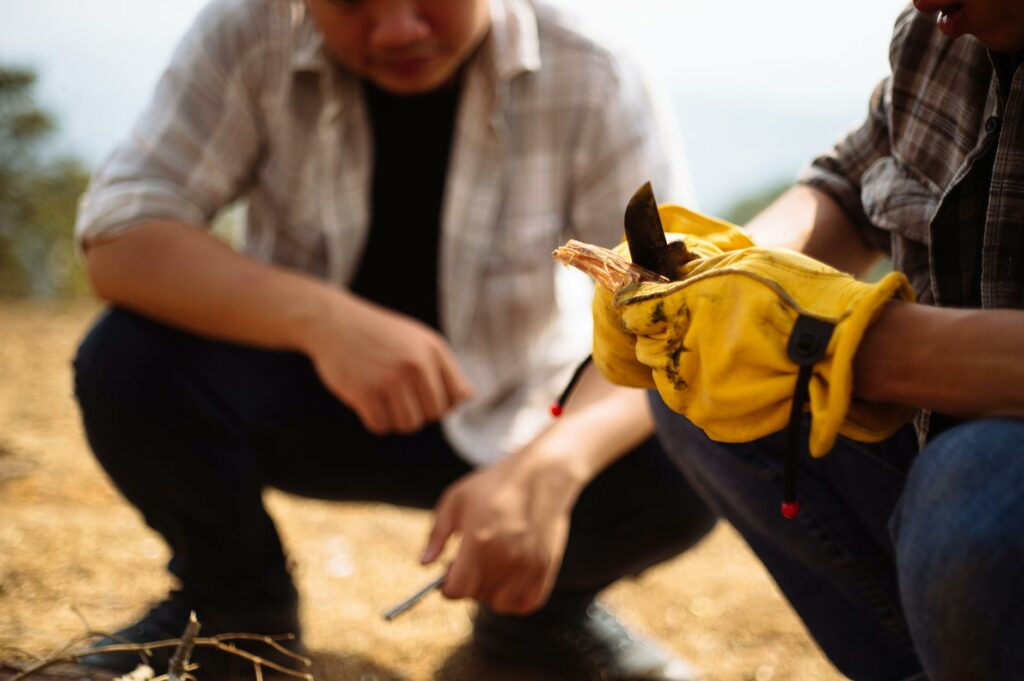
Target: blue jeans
(902, 564)
(192, 430)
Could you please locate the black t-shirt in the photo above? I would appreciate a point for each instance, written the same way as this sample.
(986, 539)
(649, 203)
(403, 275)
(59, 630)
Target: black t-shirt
(412, 138)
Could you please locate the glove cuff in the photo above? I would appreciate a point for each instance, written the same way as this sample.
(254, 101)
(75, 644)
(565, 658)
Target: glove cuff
(832, 412)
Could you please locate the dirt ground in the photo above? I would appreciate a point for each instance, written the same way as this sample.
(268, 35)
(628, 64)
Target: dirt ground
(68, 541)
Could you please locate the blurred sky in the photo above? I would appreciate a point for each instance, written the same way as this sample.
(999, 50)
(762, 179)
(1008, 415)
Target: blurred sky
(759, 87)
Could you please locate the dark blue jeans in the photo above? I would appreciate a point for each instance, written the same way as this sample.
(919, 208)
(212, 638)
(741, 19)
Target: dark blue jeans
(900, 561)
(192, 430)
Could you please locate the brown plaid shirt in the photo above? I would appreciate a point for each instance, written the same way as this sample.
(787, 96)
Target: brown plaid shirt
(935, 175)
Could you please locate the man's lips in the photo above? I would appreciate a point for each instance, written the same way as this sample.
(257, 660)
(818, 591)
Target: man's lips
(406, 63)
(410, 65)
(943, 6)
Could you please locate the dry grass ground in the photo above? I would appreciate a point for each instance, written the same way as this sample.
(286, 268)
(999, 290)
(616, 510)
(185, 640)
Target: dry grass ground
(68, 539)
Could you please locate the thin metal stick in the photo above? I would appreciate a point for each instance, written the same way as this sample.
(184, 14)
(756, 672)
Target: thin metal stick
(414, 599)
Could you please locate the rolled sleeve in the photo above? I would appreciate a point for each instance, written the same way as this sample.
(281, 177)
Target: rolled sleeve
(194, 147)
(108, 210)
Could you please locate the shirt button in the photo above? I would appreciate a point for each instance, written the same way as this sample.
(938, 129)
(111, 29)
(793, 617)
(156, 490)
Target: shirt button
(992, 124)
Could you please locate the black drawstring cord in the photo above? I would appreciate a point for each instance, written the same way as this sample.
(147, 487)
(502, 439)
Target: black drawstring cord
(790, 506)
(807, 345)
(558, 406)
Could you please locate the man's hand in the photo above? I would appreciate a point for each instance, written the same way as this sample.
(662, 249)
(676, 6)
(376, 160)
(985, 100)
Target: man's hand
(514, 522)
(514, 516)
(715, 343)
(614, 346)
(396, 373)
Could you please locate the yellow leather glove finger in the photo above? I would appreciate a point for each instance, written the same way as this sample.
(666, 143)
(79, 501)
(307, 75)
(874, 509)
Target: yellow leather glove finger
(716, 344)
(706, 235)
(614, 349)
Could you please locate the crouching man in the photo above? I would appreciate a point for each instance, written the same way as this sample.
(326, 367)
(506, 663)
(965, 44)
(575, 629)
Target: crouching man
(390, 329)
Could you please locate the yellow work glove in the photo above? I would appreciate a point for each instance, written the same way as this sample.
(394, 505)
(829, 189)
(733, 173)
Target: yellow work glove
(715, 344)
(614, 347)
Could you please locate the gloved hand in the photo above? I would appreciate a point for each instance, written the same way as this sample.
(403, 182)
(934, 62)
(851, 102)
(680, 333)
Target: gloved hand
(714, 344)
(614, 347)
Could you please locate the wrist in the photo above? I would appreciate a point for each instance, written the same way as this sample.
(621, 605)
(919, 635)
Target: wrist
(559, 471)
(322, 316)
(600, 424)
(881, 367)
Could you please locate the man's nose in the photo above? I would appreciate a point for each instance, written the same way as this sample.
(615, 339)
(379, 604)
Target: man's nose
(398, 23)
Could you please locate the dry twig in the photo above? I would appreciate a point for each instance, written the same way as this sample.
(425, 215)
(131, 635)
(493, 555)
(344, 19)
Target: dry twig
(182, 654)
(179, 668)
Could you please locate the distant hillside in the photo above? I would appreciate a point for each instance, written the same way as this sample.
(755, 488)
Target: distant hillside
(738, 147)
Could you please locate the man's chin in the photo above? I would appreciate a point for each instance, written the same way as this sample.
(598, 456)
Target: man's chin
(410, 84)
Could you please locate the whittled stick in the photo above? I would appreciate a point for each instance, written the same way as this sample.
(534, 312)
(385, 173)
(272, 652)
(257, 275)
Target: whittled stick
(606, 267)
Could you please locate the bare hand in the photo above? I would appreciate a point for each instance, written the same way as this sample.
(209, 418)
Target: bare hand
(514, 522)
(395, 372)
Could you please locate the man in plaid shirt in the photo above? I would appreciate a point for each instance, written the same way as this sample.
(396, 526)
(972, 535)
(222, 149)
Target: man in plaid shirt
(391, 321)
(906, 559)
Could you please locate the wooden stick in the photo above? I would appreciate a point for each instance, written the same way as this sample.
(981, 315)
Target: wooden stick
(220, 642)
(176, 668)
(606, 267)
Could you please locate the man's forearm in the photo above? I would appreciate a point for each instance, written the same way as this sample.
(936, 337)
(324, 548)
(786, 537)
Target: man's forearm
(181, 275)
(600, 424)
(964, 363)
(808, 220)
(960, 362)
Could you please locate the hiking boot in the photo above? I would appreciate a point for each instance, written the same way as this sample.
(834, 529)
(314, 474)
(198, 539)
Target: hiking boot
(588, 645)
(167, 620)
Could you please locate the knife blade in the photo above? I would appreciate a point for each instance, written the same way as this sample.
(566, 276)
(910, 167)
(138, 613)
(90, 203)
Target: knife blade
(645, 235)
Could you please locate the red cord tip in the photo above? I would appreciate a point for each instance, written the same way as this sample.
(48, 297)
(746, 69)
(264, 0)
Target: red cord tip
(556, 409)
(790, 509)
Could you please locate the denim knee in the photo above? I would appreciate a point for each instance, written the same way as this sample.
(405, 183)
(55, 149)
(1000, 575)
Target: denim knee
(118, 363)
(960, 551)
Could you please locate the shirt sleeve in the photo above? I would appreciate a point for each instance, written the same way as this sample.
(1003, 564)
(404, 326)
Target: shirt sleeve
(628, 137)
(195, 145)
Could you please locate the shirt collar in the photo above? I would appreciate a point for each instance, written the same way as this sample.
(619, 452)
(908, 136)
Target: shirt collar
(308, 51)
(512, 40)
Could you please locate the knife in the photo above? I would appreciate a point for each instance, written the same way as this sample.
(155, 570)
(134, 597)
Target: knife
(646, 236)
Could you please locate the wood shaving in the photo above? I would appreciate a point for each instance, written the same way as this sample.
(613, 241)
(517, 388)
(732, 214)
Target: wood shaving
(604, 266)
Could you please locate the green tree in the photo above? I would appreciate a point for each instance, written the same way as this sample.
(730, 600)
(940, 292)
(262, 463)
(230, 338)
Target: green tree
(38, 197)
(746, 207)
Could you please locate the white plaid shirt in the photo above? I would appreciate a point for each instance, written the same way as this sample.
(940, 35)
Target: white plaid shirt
(553, 134)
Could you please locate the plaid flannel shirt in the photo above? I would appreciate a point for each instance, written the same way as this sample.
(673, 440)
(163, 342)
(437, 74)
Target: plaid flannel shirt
(935, 175)
(553, 134)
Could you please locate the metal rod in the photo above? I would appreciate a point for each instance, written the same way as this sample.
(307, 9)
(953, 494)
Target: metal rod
(414, 599)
